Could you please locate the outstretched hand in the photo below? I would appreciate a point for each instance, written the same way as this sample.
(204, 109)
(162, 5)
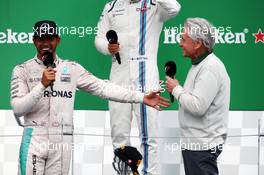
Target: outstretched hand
(154, 100)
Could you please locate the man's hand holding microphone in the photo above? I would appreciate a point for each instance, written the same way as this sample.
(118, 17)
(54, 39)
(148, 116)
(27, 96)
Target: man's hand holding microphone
(48, 76)
(113, 46)
(171, 84)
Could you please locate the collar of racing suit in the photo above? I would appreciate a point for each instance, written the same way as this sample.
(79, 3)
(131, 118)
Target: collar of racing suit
(41, 62)
(134, 1)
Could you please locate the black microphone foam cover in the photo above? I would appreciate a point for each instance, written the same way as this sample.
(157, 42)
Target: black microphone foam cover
(112, 37)
(170, 68)
(49, 60)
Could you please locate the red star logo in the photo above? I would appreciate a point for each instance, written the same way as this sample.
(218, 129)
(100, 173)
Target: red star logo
(259, 36)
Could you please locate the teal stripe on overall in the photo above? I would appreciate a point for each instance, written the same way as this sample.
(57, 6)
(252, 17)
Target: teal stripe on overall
(24, 147)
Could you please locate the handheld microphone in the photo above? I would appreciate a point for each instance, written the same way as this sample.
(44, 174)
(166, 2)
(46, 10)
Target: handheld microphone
(112, 38)
(49, 62)
(170, 70)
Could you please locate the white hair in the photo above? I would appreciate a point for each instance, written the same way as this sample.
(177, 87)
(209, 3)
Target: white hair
(201, 29)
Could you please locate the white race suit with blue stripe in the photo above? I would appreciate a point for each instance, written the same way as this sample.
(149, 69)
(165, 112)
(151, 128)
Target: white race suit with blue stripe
(48, 115)
(138, 26)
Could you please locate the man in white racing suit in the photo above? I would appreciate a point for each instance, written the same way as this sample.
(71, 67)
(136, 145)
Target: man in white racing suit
(47, 138)
(138, 24)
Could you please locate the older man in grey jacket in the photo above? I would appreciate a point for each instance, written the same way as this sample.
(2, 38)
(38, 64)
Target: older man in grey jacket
(203, 100)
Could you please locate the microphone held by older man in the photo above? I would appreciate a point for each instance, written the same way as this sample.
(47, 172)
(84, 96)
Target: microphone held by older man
(170, 70)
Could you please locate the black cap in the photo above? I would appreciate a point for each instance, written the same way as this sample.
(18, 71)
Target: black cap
(45, 28)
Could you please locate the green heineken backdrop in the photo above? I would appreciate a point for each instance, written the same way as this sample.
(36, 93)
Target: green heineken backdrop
(239, 46)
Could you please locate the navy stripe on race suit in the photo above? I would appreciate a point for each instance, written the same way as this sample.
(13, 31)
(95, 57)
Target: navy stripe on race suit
(143, 114)
(142, 81)
(142, 32)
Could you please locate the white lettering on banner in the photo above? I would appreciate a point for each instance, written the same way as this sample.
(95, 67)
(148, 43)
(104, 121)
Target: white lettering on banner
(240, 37)
(223, 36)
(96, 30)
(2, 37)
(11, 37)
(230, 38)
(178, 146)
(170, 36)
(23, 38)
(64, 30)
